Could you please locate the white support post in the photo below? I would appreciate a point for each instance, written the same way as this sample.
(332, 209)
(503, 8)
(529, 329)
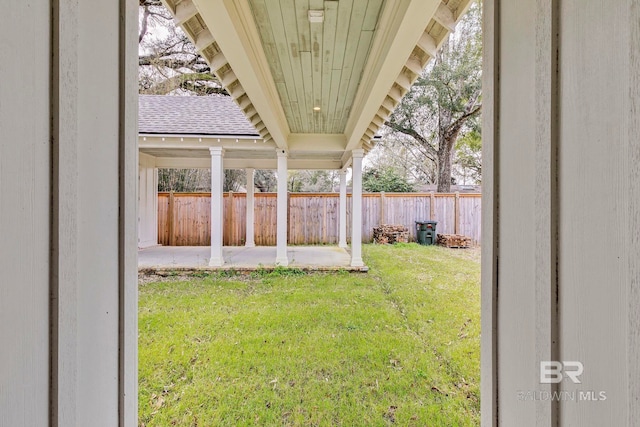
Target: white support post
(281, 251)
(249, 239)
(356, 209)
(342, 239)
(217, 206)
(147, 202)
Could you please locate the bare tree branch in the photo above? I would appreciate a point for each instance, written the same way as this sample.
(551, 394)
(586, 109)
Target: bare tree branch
(187, 81)
(415, 135)
(144, 24)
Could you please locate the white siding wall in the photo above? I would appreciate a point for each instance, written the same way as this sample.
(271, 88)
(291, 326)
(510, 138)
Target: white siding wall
(68, 183)
(517, 213)
(24, 213)
(567, 276)
(594, 135)
(97, 241)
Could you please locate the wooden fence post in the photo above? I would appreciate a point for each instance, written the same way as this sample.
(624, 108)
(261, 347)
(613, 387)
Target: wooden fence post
(170, 219)
(432, 206)
(288, 216)
(382, 199)
(456, 229)
(231, 222)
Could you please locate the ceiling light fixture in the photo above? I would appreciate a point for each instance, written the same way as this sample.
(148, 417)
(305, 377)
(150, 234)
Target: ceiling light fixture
(316, 108)
(316, 16)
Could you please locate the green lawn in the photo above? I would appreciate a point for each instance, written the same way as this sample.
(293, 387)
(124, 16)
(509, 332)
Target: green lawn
(399, 345)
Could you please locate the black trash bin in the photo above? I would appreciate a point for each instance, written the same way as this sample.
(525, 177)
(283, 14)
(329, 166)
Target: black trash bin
(426, 232)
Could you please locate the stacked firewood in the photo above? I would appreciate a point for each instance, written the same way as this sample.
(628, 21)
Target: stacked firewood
(389, 234)
(453, 240)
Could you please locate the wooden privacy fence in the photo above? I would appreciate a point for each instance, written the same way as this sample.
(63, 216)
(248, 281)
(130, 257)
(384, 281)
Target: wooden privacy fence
(184, 218)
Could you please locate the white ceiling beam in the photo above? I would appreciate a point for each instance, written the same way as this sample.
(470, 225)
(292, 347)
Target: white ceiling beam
(316, 142)
(218, 61)
(378, 121)
(250, 112)
(414, 66)
(404, 81)
(183, 162)
(204, 39)
(236, 34)
(388, 103)
(428, 44)
(395, 94)
(260, 126)
(444, 16)
(399, 22)
(383, 112)
(184, 11)
(292, 164)
(314, 164)
(228, 78)
(243, 102)
(237, 91)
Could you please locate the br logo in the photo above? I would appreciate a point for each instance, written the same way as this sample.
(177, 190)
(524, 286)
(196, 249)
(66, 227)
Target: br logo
(553, 372)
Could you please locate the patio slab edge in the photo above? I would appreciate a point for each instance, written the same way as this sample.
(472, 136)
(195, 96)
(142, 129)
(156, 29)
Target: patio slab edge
(165, 271)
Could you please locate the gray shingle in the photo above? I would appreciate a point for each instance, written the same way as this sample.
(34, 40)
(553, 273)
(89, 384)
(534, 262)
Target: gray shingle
(192, 115)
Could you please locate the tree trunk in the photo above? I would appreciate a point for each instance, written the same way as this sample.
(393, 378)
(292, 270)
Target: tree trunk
(444, 167)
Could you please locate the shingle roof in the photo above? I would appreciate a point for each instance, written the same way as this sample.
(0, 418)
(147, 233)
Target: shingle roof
(192, 115)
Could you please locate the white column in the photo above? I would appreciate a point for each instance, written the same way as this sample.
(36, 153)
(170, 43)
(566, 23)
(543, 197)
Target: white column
(147, 202)
(249, 239)
(342, 235)
(281, 250)
(356, 209)
(217, 206)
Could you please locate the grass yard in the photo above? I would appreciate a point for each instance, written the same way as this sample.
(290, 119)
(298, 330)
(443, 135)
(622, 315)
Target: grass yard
(399, 345)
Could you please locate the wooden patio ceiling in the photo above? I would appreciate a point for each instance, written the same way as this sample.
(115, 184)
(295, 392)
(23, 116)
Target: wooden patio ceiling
(317, 75)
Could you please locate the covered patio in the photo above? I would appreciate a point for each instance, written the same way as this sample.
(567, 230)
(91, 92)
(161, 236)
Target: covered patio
(213, 133)
(310, 86)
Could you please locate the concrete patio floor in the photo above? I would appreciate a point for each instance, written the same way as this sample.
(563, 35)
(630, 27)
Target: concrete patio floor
(160, 259)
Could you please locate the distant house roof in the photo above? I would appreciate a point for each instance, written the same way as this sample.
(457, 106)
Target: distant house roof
(192, 115)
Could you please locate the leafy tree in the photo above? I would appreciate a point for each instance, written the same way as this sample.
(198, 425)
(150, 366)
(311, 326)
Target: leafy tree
(387, 180)
(468, 158)
(445, 101)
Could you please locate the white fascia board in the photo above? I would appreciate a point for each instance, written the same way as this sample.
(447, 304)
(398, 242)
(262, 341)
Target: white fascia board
(197, 142)
(400, 27)
(232, 25)
(183, 162)
(314, 164)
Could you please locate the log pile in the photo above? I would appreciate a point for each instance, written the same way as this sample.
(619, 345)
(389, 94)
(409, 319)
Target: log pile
(389, 234)
(453, 240)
